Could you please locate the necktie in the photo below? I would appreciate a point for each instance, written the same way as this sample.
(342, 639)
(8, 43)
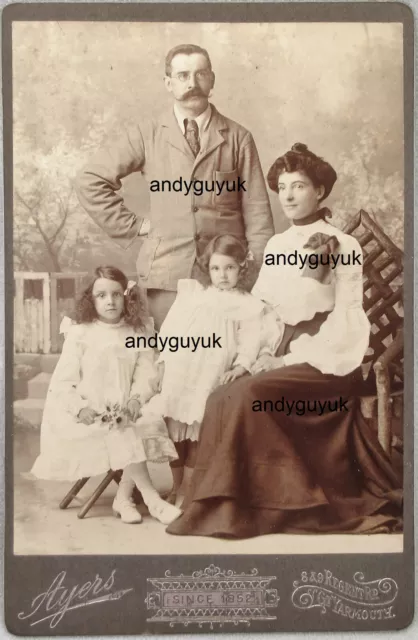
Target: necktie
(192, 135)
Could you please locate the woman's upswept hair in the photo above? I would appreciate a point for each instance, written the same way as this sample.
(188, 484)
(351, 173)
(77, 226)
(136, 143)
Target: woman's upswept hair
(299, 158)
(135, 312)
(226, 245)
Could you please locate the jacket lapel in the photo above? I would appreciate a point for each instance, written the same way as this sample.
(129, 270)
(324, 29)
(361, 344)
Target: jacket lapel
(176, 138)
(215, 138)
(174, 135)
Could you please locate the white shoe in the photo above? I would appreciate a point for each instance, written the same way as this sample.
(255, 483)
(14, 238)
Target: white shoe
(126, 511)
(163, 511)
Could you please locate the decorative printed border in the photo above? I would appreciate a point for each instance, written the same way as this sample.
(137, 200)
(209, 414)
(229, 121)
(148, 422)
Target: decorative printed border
(357, 600)
(211, 596)
(39, 571)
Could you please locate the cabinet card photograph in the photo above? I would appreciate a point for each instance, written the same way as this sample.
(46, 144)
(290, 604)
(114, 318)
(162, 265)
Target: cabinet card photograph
(208, 238)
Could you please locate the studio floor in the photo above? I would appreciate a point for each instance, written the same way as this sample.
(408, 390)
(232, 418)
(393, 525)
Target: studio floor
(41, 528)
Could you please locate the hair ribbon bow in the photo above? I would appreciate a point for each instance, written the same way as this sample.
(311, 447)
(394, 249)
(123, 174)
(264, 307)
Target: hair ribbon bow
(129, 286)
(248, 258)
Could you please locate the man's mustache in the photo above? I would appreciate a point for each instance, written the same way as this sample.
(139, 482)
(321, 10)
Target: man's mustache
(193, 93)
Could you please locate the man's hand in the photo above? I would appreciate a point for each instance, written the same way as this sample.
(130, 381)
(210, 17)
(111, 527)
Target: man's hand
(134, 408)
(87, 415)
(233, 374)
(267, 363)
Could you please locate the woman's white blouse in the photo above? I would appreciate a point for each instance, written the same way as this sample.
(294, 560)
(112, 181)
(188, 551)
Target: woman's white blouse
(341, 343)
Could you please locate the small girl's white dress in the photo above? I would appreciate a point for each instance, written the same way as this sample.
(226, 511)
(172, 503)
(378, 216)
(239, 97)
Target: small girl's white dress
(97, 370)
(243, 326)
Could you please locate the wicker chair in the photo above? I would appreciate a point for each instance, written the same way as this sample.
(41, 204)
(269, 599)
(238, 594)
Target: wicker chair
(382, 393)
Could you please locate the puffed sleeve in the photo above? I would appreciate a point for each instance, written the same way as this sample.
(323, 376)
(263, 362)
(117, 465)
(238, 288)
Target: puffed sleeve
(341, 343)
(272, 329)
(248, 342)
(176, 319)
(144, 377)
(67, 374)
(248, 320)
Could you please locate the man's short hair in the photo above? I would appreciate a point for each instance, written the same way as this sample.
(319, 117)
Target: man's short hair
(186, 49)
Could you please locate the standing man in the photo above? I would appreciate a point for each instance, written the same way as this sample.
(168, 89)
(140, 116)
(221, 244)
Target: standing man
(204, 175)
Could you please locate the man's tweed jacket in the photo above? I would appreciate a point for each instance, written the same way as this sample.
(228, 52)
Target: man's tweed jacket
(181, 225)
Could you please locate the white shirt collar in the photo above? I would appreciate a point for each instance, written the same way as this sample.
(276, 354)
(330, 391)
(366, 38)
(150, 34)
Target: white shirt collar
(202, 120)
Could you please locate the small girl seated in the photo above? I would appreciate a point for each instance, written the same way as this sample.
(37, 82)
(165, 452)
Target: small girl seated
(92, 417)
(229, 323)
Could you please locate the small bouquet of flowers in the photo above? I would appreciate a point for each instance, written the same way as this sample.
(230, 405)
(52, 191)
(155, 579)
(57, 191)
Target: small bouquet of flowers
(114, 417)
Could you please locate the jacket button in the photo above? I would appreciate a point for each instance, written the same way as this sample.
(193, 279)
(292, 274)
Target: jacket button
(195, 209)
(197, 237)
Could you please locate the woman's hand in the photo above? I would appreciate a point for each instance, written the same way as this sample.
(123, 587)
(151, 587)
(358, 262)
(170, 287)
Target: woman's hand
(134, 408)
(87, 415)
(267, 363)
(233, 374)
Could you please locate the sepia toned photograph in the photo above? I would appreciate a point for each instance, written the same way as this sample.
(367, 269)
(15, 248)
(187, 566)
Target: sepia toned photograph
(208, 259)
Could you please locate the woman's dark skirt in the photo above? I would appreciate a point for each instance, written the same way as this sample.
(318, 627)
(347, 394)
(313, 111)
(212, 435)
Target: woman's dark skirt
(261, 472)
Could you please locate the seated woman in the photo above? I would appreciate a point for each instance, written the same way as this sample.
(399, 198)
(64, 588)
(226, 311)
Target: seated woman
(287, 449)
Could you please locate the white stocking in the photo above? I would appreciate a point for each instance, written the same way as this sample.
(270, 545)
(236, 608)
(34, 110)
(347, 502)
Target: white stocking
(158, 508)
(125, 488)
(137, 473)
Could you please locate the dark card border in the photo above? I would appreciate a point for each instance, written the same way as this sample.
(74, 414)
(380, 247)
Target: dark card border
(24, 573)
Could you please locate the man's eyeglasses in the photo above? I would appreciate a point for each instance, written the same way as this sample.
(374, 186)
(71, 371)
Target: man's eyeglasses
(184, 76)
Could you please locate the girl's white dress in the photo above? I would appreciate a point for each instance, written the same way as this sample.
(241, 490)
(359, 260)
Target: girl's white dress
(243, 326)
(96, 369)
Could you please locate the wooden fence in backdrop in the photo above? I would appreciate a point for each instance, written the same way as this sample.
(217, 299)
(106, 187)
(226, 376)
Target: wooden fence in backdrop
(41, 300)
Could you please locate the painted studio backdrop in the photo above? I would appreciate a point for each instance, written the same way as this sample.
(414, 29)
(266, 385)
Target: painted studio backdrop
(335, 87)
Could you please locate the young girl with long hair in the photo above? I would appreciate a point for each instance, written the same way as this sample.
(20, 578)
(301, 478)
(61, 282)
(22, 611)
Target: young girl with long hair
(92, 419)
(227, 325)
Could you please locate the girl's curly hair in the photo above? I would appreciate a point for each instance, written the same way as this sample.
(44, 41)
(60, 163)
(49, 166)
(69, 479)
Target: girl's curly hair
(135, 310)
(226, 245)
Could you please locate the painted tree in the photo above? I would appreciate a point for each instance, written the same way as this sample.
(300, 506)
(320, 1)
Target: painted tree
(50, 227)
(336, 87)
